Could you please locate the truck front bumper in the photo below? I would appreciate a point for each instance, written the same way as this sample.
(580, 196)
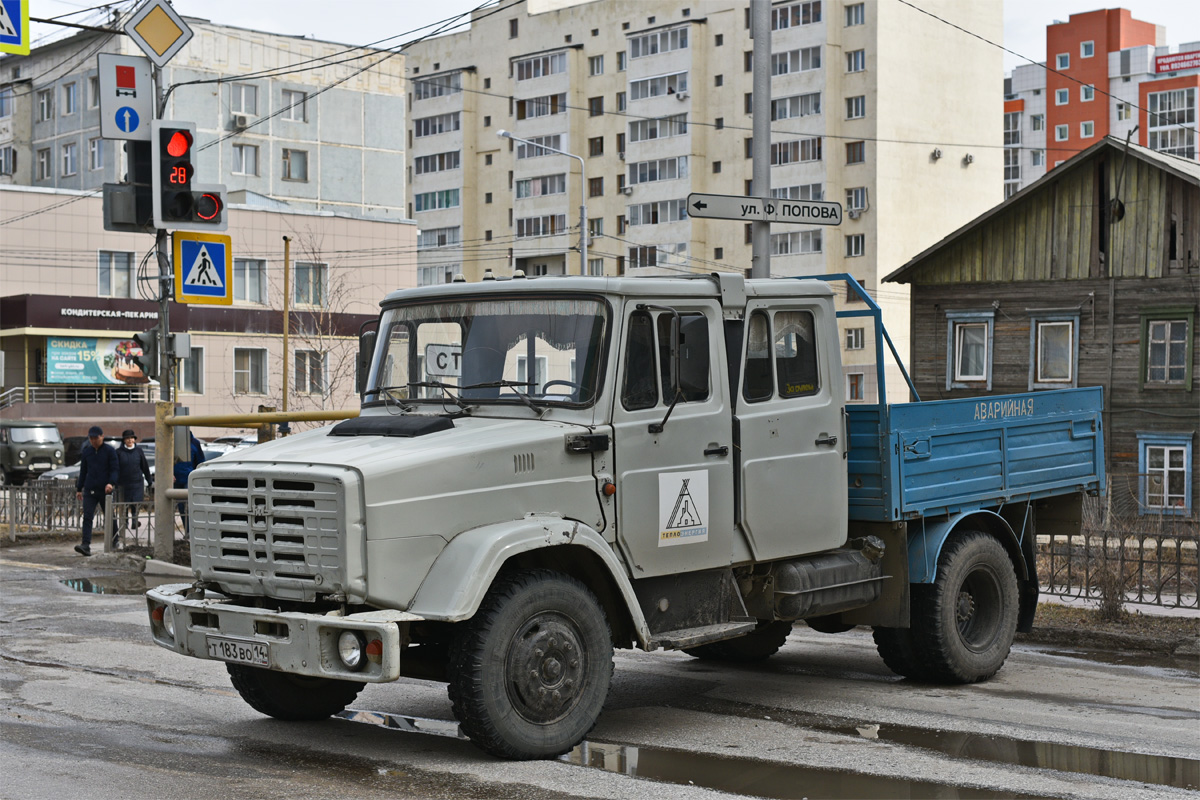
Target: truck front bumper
(213, 627)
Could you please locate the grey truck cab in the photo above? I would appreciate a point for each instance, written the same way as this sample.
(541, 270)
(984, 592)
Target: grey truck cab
(546, 469)
(28, 449)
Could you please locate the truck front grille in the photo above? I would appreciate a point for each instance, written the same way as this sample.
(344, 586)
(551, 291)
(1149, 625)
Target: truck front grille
(268, 534)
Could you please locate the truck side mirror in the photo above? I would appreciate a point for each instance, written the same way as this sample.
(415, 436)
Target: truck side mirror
(366, 350)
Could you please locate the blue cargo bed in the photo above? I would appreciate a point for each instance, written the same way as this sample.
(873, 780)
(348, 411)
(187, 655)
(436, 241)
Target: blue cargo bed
(910, 460)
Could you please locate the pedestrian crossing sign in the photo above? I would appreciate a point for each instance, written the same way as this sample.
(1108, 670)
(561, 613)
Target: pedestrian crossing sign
(203, 268)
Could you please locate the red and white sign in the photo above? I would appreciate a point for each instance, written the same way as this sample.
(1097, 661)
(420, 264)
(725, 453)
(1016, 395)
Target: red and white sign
(1177, 62)
(126, 97)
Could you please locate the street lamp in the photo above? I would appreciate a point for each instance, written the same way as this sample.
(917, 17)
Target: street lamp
(582, 193)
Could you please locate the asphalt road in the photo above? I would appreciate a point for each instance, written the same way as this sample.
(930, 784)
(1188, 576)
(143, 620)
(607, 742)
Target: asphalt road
(90, 708)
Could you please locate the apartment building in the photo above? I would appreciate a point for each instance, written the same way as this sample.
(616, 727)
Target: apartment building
(277, 139)
(310, 149)
(1106, 73)
(875, 105)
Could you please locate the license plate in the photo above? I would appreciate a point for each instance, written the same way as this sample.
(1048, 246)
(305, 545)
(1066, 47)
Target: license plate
(238, 651)
(40, 465)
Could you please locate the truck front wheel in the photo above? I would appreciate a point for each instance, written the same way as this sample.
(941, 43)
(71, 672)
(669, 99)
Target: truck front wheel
(292, 697)
(966, 626)
(529, 673)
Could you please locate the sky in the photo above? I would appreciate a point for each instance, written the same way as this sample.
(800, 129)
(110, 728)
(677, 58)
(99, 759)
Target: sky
(365, 21)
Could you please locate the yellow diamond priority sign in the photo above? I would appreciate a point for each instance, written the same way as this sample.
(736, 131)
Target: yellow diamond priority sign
(159, 31)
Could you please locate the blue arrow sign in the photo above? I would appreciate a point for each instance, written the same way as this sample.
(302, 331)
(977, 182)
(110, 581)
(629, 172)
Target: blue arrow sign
(127, 119)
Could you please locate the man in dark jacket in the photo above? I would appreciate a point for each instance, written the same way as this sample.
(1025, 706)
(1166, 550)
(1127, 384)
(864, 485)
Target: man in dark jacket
(183, 472)
(98, 470)
(132, 468)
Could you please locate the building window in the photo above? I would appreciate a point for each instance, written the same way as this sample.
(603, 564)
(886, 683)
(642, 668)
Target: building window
(1087, 130)
(441, 86)
(432, 201)
(649, 44)
(70, 102)
(243, 98)
(856, 152)
(796, 242)
(1054, 351)
(854, 386)
(310, 372)
(1037, 158)
(249, 370)
(663, 169)
(595, 187)
(1037, 122)
(1012, 128)
(596, 226)
(191, 372)
(245, 159)
(295, 105)
(512, 28)
(6, 102)
(1087, 93)
(43, 162)
(8, 160)
(431, 126)
(432, 276)
(595, 106)
(969, 347)
(716, 167)
(856, 61)
(544, 106)
(114, 275)
(546, 225)
(620, 101)
(440, 162)
(1087, 49)
(93, 92)
(45, 104)
(1165, 467)
(95, 154)
(855, 338)
(791, 152)
(295, 165)
(800, 60)
(541, 66)
(856, 15)
(1012, 165)
(654, 213)
(656, 87)
(718, 253)
(1124, 112)
(1063, 61)
(1061, 132)
(1166, 355)
(1172, 122)
(856, 198)
(794, 15)
(621, 59)
(309, 281)
(856, 107)
(802, 105)
(855, 245)
(718, 40)
(748, 56)
(595, 266)
(70, 159)
(250, 280)
(438, 237)
(1062, 97)
(596, 65)
(719, 80)
(538, 146)
(596, 146)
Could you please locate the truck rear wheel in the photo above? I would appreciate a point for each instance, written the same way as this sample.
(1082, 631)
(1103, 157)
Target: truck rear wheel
(898, 646)
(966, 626)
(292, 697)
(757, 645)
(529, 673)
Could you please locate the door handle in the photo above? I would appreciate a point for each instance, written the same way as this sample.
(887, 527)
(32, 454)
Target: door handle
(827, 440)
(717, 451)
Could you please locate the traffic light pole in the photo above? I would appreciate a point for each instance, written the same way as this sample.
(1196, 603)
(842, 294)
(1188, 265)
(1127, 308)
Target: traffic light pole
(164, 434)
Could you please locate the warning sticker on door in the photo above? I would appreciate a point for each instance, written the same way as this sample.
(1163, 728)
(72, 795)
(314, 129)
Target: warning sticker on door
(682, 507)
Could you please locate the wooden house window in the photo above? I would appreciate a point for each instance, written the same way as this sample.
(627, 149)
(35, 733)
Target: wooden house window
(1167, 340)
(1054, 350)
(1164, 473)
(969, 349)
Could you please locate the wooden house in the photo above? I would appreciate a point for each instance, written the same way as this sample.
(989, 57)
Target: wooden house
(1088, 277)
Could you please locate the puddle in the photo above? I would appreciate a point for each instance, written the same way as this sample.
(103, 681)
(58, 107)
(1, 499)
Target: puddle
(738, 775)
(116, 584)
(1126, 658)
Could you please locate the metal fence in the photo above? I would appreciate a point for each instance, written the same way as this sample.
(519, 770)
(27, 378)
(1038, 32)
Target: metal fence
(1140, 558)
(52, 507)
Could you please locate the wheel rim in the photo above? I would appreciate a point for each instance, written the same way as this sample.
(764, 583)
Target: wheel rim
(977, 609)
(546, 664)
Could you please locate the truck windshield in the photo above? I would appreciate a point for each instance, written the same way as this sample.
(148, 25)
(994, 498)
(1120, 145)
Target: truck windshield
(547, 350)
(35, 435)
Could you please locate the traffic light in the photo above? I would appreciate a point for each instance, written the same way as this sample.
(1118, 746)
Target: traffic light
(180, 204)
(148, 360)
(141, 176)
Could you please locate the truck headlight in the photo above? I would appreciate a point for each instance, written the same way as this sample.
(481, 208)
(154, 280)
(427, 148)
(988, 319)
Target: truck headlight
(58, 454)
(350, 649)
(21, 455)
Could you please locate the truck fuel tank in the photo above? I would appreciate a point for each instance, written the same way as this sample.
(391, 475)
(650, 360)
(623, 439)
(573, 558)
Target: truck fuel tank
(829, 582)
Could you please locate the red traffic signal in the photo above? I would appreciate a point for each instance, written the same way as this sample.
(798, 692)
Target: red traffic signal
(179, 204)
(179, 144)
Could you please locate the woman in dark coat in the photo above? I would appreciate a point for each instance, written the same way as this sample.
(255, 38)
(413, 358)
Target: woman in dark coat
(132, 468)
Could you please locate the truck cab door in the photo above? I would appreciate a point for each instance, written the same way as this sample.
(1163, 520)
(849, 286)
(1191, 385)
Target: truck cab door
(675, 486)
(791, 433)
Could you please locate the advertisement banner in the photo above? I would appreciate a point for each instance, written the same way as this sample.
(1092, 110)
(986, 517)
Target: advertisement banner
(93, 361)
(1177, 62)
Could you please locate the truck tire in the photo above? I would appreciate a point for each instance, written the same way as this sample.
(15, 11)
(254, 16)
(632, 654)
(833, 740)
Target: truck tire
(964, 630)
(898, 647)
(757, 645)
(292, 697)
(529, 673)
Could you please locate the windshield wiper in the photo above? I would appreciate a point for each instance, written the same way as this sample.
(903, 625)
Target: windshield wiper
(445, 387)
(388, 397)
(525, 398)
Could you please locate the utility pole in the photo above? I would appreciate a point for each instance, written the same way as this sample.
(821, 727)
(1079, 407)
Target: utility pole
(760, 232)
(164, 434)
(287, 305)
